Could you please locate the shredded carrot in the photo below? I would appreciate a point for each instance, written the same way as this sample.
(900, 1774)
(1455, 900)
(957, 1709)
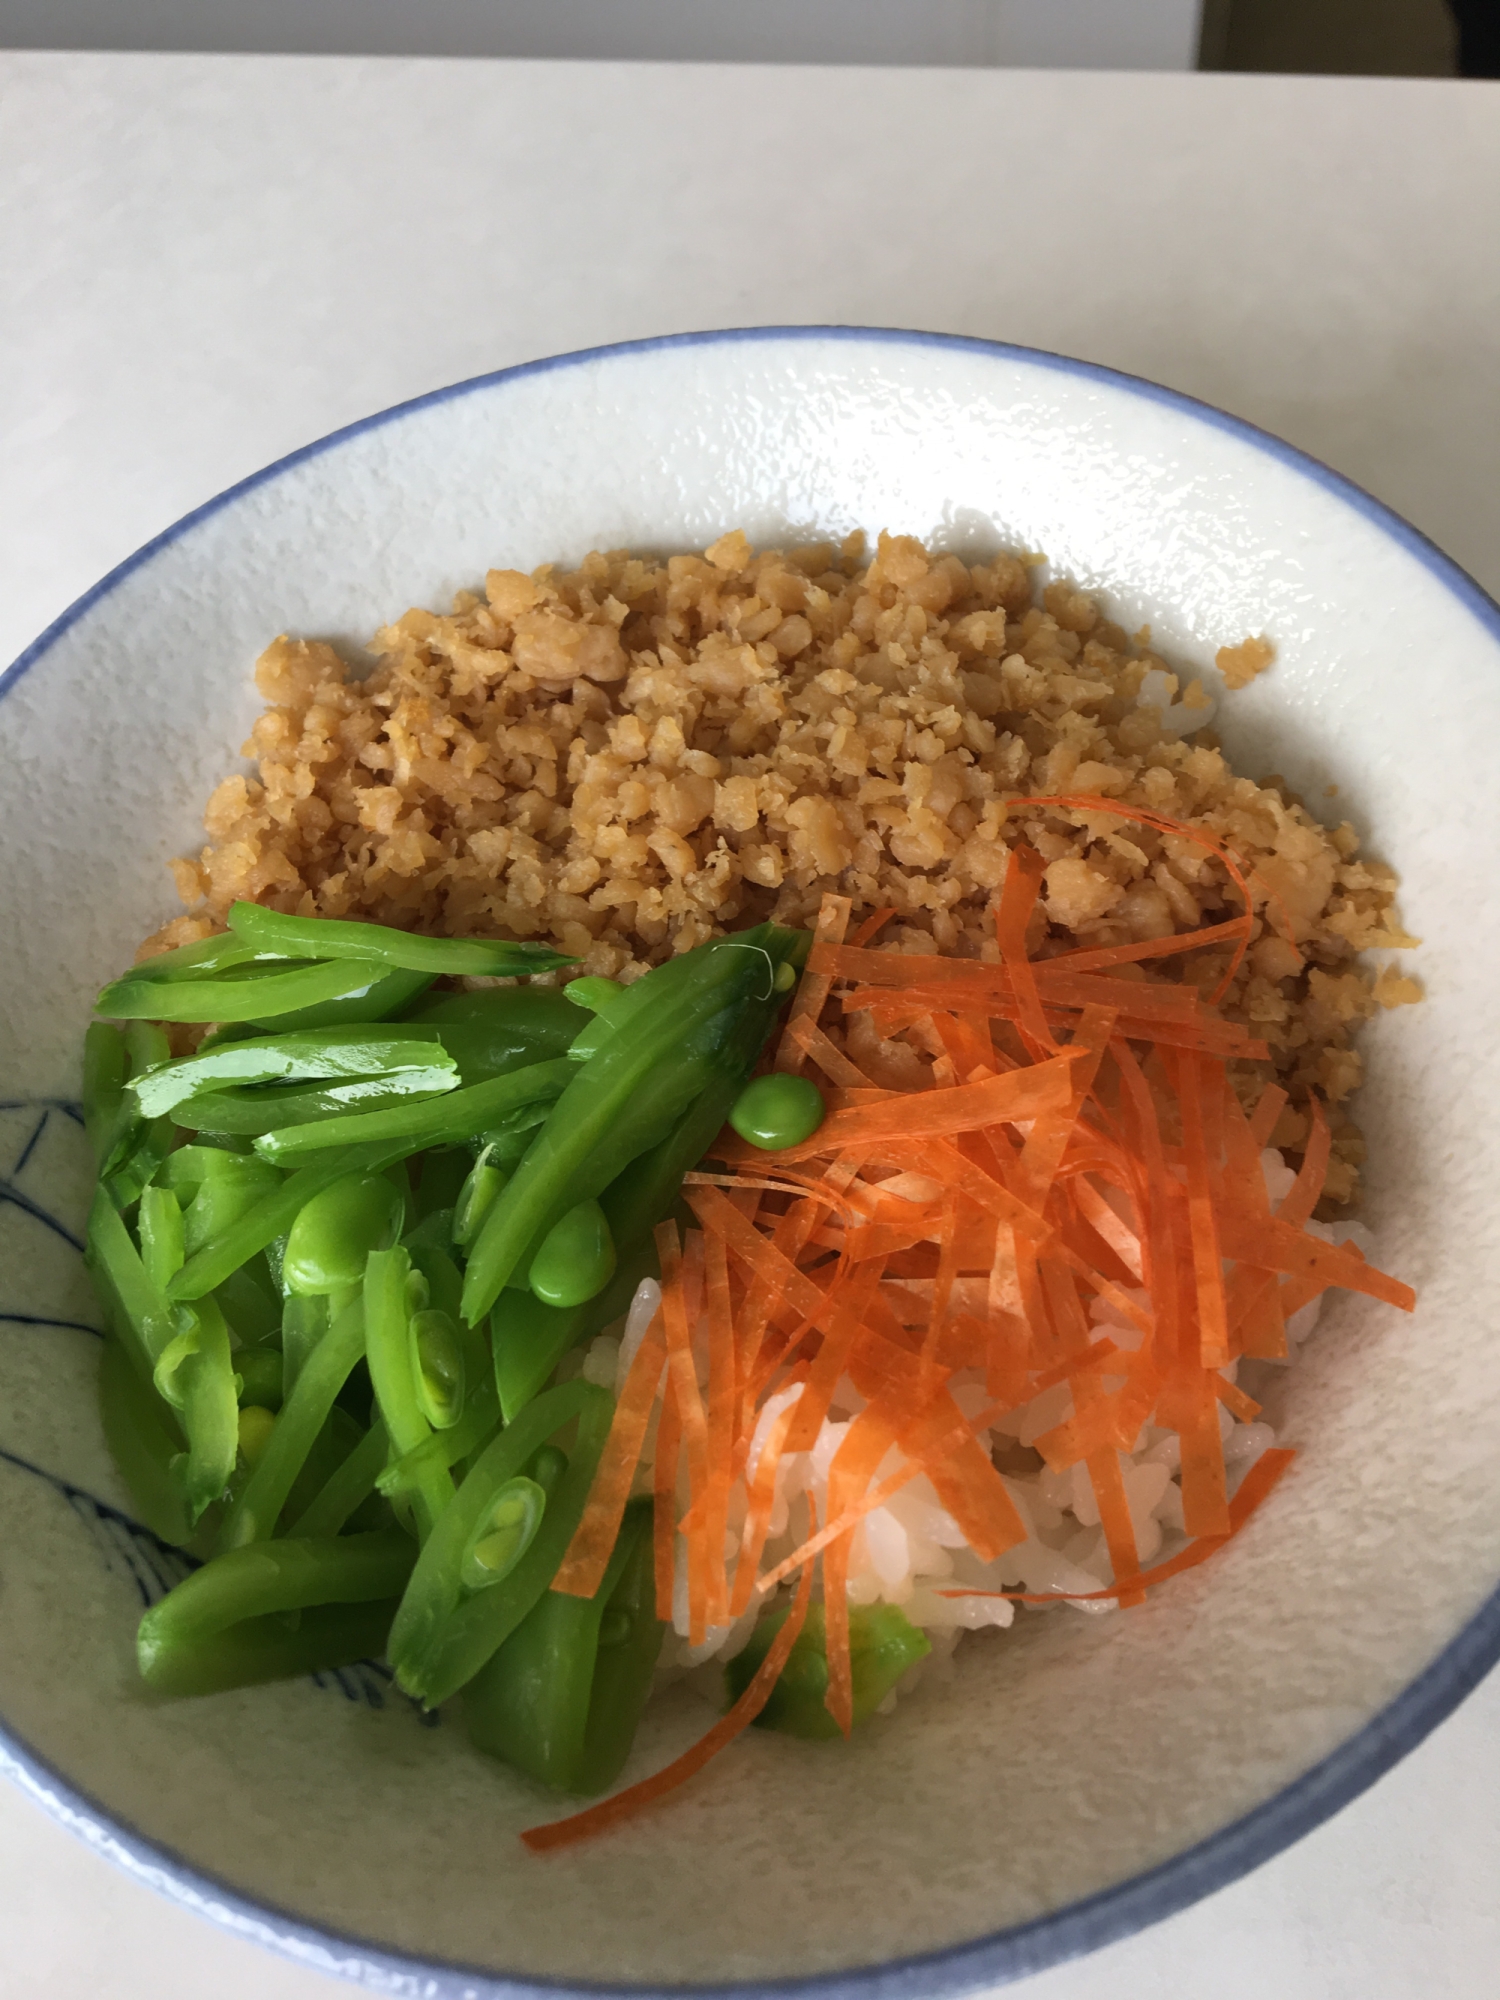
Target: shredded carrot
(1065, 1190)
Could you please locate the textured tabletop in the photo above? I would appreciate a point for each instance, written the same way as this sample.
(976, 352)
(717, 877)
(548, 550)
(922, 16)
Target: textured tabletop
(210, 261)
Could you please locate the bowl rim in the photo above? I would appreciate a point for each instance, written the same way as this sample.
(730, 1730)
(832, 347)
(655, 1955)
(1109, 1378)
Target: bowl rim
(1020, 1949)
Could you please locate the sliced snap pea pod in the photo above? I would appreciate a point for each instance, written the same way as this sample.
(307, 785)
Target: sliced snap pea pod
(145, 1442)
(272, 1216)
(598, 995)
(224, 1196)
(437, 1367)
(213, 1629)
(143, 1314)
(198, 961)
(259, 999)
(386, 995)
(109, 1111)
(501, 1028)
(195, 1374)
(309, 1055)
(163, 1235)
(529, 1338)
(248, 1302)
(562, 1698)
(305, 1319)
(346, 1490)
(883, 1643)
(248, 1113)
(477, 1197)
(441, 1636)
(388, 1351)
(253, 1516)
(462, 1114)
(447, 1448)
(333, 937)
(715, 1006)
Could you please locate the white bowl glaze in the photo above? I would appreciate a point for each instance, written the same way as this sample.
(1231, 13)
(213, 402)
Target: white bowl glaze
(1079, 1776)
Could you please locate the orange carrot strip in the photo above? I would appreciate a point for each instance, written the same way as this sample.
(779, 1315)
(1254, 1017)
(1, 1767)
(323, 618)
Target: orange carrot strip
(625, 1805)
(876, 921)
(1253, 1490)
(1023, 880)
(1200, 1100)
(1085, 802)
(1234, 1399)
(760, 1501)
(814, 986)
(841, 1326)
(1119, 1530)
(1268, 1109)
(664, 1496)
(1301, 1198)
(582, 1568)
(963, 1476)
(1103, 1220)
(1275, 1245)
(681, 1269)
(1204, 1501)
(930, 1114)
(1048, 1139)
(805, 1034)
(1125, 954)
(719, 1313)
(854, 1465)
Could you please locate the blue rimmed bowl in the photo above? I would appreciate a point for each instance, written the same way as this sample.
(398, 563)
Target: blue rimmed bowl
(1076, 1778)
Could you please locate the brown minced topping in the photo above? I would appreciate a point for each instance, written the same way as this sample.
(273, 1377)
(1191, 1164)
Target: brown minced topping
(632, 756)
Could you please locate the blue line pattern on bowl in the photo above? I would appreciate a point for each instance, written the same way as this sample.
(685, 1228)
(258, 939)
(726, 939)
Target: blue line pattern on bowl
(1025, 1948)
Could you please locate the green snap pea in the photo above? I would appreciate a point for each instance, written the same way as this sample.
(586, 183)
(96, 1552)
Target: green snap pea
(271, 1216)
(438, 1371)
(110, 1113)
(220, 1626)
(778, 1111)
(478, 1195)
(195, 1374)
(262, 1382)
(576, 1259)
(311, 1055)
(388, 1351)
(146, 1443)
(333, 1234)
(441, 1635)
(345, 1490)
(883, 1643)
(461, 1114)
(386, 995)
(701, 1016)
(253, 1516)
(445, 1448)
(249, 1303)
(598, 995)
(501, 1028)
(337, 938)
(251, 1112)
(562, 1697)
(504, 1533)
(163, 1235)
(276, 993)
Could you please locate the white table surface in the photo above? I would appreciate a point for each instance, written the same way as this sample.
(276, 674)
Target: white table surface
(206, 261)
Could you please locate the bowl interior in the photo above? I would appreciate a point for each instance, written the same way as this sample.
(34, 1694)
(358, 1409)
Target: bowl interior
(1069, 1754)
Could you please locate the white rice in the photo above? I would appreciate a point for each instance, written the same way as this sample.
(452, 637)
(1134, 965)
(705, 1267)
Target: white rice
(910, 1550)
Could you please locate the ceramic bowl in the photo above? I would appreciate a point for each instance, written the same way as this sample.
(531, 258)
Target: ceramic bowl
(1078, 1777)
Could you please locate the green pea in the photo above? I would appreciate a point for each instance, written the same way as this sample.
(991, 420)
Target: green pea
(576, 1258)
(504, 1534)
(261, 1379)
(777, 1111)
(786, 977)
(335, 1232)
(547, 1467)
(595, 994)
(437, 1366)
(476, 1198)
